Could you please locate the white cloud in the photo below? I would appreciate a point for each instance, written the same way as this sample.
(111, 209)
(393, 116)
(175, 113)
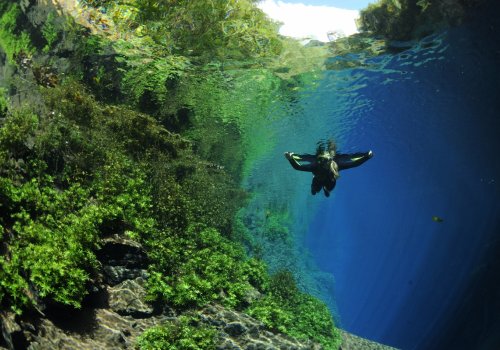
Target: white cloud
(306, 21)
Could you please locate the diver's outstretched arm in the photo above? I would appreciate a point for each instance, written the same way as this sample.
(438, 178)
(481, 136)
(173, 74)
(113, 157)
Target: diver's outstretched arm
(346, 161)
(295, 160)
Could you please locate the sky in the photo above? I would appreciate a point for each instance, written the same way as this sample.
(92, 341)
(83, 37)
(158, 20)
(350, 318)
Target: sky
(314, 19)
(342, 4)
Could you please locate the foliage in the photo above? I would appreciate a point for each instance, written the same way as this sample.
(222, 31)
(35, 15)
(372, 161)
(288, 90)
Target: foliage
(13, 40)
(4, 103)
(296, 59)
(412, 19)
(50, 31)
(185, 333)
(204, 29)
(287, 310)
(187, 190)
(52, 223)
(232, 28)
(391, 18)
(79, 170)
(52, 238)
(275, 225)
(146, 78)
(199, 267)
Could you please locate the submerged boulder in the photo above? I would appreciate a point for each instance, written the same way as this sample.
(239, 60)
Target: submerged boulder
(240, 331)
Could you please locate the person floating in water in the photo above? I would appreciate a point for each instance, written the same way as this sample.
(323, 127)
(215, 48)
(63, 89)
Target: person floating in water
(325, 165)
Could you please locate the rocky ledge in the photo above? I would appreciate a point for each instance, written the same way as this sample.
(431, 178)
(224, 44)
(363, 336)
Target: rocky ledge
(240, 331)
(353, 342)
(116, 312)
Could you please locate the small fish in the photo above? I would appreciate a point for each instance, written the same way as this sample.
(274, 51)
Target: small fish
(437, 219)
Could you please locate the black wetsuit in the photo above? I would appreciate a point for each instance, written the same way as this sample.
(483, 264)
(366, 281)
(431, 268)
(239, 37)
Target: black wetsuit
(323, 176)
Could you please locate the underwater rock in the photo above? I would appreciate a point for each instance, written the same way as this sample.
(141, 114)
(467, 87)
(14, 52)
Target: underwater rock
(235, 329)
(121, 251)
(113, 324)
(116, 274)
(124, 314)
(122, 259)
(240, 331)
(353, 342)
(127, 298)
(9, 329)
(109, 331)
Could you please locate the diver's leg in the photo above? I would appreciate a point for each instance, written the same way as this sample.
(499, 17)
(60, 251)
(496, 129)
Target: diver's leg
(329, 188)
(346, 161)
(315, 185)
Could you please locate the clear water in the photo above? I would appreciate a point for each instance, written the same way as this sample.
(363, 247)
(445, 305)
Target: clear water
(431, 115)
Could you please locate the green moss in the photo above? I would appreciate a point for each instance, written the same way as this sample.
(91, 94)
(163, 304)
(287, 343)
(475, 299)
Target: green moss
(187, 333)
(147, 76)
(199, 267)
(13, 41)
(51, 236)
(50, 31)
(285, 309)
(52, 223)
(4, 103)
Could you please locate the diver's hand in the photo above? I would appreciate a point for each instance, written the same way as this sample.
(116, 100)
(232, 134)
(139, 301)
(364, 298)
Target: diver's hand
(370, 154)
(288, 155)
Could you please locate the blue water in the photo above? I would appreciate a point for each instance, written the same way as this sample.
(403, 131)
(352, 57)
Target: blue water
(431, 115)
(435, 135)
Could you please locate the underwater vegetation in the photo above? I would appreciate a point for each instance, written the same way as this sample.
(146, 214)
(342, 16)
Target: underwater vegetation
(102, 136)
(290, 311)
(186, 333)
(138, 119)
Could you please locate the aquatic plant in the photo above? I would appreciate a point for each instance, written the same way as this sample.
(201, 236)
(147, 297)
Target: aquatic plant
(145, 81)
(55, 208)
(286, 309)
(13, 40)
(199, 267)
(49, 245)
(4, 103)
(106, 176)
(185, 333)
(50, 31)
(235, 29)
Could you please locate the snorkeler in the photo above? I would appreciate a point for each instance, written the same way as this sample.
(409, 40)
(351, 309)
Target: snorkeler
(325, 165)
